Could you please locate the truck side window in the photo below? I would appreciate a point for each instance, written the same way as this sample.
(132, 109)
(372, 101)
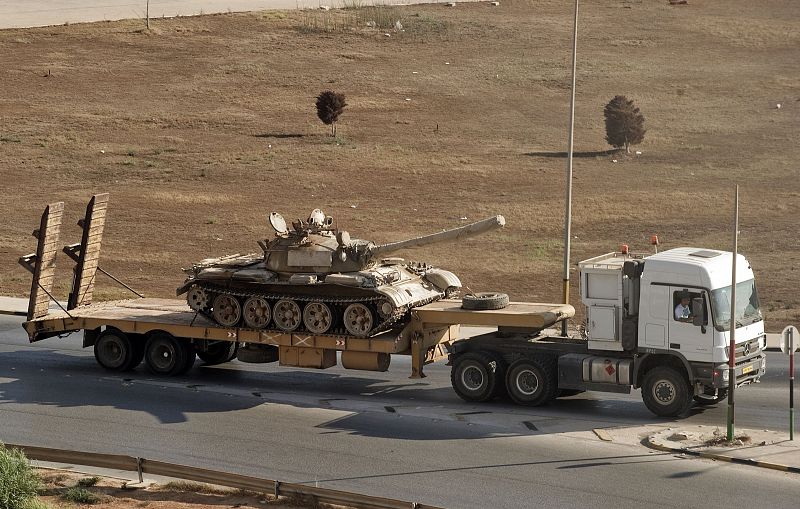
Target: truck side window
(682, 305)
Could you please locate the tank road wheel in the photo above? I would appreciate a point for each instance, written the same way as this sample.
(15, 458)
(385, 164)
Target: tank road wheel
(256, 312)
(227, 310)
(287, 315)
(164, 355)
(358, 319)
(666, 392)
(531, 382)
(114, 351)
(475, 376)
(217, 352)
(317, 317)
(197, 298)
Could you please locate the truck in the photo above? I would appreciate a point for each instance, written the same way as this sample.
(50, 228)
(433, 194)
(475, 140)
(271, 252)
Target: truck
(659, 322)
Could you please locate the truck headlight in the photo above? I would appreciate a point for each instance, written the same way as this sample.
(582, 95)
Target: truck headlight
(725, 375)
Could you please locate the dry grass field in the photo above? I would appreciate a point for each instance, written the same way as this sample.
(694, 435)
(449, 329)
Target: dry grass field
(201, 126)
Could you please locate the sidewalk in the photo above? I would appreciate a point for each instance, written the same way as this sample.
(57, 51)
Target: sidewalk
(761, 448)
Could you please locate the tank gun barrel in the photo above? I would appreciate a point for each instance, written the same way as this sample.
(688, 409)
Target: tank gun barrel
(455, 234)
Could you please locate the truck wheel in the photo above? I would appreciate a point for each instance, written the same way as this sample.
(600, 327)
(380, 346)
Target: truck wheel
(666, 392)
(164, 355)
(475, 376)
(482, 301)
(217, 352)
(532, 382)
(113, 350)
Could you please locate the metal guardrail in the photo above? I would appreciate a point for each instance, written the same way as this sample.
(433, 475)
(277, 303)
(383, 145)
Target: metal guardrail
(144, 466)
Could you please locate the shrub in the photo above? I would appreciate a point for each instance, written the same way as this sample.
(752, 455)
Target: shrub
(88, 481)
(329, 107)
(80, 495)
(624, 123)
(18, 481)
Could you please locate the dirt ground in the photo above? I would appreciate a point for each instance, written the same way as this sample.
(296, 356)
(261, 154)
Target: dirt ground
(108, 493)
(199, 127)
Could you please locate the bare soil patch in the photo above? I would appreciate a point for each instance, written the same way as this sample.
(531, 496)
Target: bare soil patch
(72, 489)
(202, 126)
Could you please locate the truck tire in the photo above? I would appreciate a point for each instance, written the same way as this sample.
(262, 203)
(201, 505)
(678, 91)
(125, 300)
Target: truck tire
(532, 382)
(164, 355)
(218, 352)
(482, 301)
(114, 350)
(666, 392)
(475, 376)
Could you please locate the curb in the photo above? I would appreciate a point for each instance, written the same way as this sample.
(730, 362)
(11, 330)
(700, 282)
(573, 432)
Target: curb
(721, 457)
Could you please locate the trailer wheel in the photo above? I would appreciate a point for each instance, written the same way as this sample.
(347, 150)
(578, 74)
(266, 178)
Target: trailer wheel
(532, 382)
(113, 350)
(482, 301)
(189, 355)
(138, 341)
(475, 376)
(666, 392)
(217, 352)
(164, 355)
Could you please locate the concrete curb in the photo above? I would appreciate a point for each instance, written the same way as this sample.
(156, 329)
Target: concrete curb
(721, 457)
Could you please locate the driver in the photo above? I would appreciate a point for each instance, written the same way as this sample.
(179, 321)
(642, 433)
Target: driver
(683, 311)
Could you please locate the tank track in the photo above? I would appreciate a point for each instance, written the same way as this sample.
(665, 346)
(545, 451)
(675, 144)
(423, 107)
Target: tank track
(387, 324)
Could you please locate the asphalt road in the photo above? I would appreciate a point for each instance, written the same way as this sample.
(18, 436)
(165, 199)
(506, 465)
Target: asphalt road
(31, 13)
(377, 433)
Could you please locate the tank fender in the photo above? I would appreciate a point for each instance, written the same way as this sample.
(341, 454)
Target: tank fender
(645, 362)
(442, 279)
(184, 287)
(409, 293)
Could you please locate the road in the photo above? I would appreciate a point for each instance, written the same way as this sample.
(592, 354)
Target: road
(30, 13)
(377, 433)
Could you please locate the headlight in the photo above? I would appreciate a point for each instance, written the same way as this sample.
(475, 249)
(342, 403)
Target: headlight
(725, 375)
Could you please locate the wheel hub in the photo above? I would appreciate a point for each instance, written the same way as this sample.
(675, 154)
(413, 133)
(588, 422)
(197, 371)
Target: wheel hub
(664, 392)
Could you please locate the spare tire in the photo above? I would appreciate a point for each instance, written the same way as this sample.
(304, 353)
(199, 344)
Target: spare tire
(484, 300)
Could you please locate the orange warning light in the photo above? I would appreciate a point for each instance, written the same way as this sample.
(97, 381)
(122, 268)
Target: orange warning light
(624, 249)
(654, 240)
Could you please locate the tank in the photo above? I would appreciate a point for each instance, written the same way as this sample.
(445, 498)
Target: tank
(312, 277)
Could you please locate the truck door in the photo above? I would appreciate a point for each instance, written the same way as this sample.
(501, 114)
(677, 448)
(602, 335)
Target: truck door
(658, 313)
(693, 341)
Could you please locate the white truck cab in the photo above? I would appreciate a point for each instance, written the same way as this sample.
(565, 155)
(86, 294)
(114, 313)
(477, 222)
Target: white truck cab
(672, 309)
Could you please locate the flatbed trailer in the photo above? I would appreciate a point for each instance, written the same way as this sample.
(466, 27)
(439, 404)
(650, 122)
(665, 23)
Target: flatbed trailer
(167, 334)
(676, 360)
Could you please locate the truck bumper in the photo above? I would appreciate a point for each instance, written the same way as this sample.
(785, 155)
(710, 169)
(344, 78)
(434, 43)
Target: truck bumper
(748, 371)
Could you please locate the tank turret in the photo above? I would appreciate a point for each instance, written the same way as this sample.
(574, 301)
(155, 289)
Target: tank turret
(312, 276)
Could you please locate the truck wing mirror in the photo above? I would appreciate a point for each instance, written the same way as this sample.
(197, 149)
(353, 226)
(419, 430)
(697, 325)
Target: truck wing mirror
(698, 311)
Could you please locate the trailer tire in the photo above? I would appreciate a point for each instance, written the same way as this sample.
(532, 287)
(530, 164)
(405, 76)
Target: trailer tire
(218, 352)
(138, 341)
(666, 392)
(475, 376)
(114, 350)
(483, 301)
(189, 355)
(532, 382)
(164, 355)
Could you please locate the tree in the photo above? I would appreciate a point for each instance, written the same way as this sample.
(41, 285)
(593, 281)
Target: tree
(329, 107)
(624, 123)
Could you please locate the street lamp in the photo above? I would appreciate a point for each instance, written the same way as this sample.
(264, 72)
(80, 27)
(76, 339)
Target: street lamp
(568, 205)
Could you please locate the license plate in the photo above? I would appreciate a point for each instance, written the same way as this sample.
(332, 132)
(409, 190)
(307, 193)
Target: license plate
(747, 369)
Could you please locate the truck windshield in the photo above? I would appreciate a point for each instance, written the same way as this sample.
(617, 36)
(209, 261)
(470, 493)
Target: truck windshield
(748, 309)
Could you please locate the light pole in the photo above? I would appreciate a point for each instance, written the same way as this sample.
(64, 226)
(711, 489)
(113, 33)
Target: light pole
(568, 204)
(732, 345)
